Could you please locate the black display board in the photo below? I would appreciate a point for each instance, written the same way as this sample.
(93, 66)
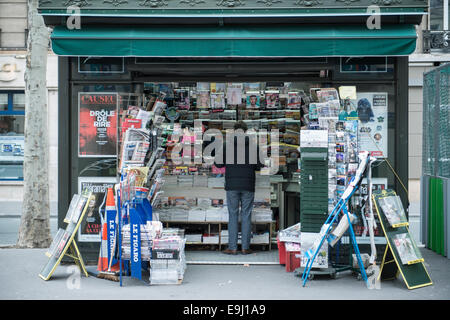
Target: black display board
(413, 271)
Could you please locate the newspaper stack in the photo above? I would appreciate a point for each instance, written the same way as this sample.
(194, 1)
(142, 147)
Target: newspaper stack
(163, 213)
(179, 214)
(172, 232)
(185, 181)
(224, 236)
(216, 182)
(168, 262)
(260, 238)
(171, 180)
(262, 215)
(213, 214)
(211, 238)
(197, 214)
(291, 234)
(200, 181)
(148, 233)
(194, 238)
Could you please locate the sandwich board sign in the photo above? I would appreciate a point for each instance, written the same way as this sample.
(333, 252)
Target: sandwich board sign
(402, 254)
(64, 243)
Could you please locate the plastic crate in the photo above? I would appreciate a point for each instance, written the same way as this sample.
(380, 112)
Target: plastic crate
(281, 252)
(292, 262)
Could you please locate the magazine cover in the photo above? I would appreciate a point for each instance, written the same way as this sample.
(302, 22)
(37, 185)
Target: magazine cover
(313, 94)
(253, 100)
(407, 249)
(393, 210)
(294, 100)
(61, 244)
(203, 100)
(327, 94)
(272, 99)
(53, 247)
(203, 86)
(90, 227)
(78, 209)
(217, 87)
(182, 99)
(166, 89)
(251, 86)
(234, 95)
(97, 124)
(72, 208)
(217, 101)
(313, 111)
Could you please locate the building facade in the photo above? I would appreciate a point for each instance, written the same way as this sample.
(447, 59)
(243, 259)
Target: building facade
(13, 48)
(432, 50)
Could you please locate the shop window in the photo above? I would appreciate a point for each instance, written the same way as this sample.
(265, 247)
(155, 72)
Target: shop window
(439, 16)
(12, 121)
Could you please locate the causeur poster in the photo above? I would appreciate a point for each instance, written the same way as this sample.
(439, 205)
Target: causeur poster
(97, 126)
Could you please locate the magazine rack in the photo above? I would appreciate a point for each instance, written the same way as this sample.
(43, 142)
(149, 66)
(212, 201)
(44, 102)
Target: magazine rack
(413, 270)
(65, 245)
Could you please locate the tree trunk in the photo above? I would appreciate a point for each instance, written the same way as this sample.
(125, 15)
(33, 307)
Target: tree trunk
(34, 231)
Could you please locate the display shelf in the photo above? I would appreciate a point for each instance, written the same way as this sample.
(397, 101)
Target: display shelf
(220, 223)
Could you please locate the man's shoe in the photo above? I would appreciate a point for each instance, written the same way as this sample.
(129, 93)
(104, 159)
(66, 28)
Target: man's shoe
(248, 251)
(228, 251)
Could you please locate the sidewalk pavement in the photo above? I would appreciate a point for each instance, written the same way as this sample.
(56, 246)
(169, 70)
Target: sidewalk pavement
(19, 269)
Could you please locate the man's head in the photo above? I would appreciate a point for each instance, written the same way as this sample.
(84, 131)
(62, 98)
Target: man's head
(240, 125)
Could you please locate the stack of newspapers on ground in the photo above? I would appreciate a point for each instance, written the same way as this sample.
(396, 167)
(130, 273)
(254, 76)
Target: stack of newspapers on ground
(168, 261)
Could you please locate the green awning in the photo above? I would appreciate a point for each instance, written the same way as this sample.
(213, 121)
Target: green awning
(235, 41)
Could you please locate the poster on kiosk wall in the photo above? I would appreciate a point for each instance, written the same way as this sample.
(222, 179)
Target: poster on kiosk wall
(97, 124)
(90, 227)
(372, 109)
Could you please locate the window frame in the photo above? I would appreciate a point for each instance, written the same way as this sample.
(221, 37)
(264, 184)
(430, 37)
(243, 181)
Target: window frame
(445, 15)
(11, 111)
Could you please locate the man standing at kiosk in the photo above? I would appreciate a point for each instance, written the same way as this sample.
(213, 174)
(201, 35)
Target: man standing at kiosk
(240, 167)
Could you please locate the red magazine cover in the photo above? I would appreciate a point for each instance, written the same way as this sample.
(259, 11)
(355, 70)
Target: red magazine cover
(97, 125)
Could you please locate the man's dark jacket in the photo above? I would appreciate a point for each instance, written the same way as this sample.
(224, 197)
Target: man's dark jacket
(240, 177)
